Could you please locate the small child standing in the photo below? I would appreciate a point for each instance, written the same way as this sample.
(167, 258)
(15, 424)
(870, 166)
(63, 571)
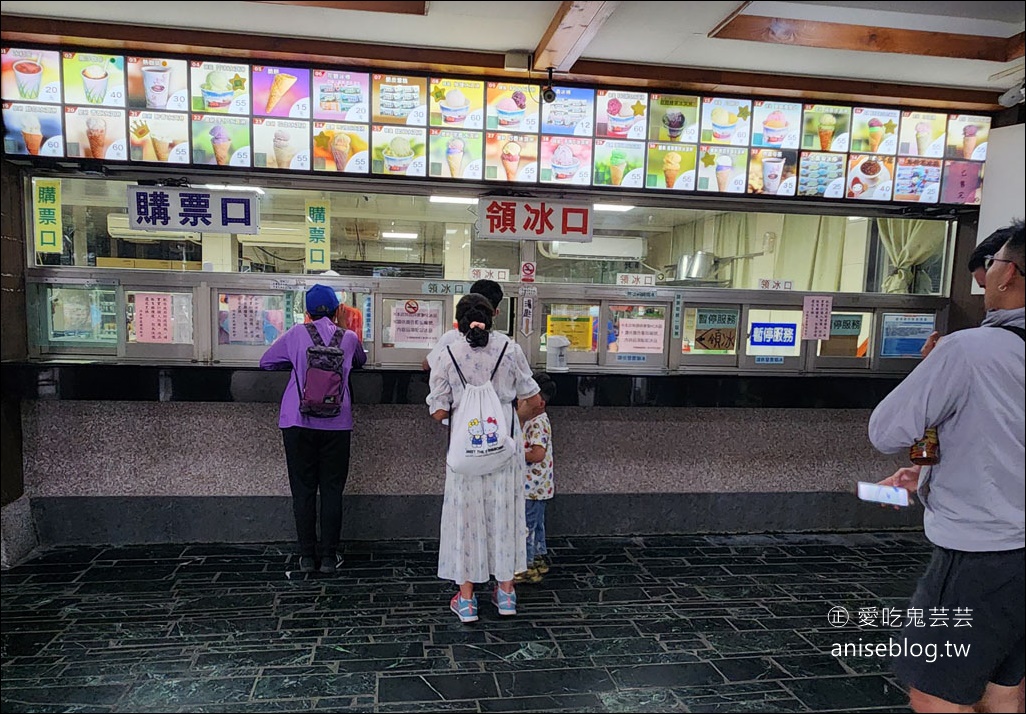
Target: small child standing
(539, 483)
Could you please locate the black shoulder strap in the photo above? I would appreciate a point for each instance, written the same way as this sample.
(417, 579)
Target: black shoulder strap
(498, 361)
(1015, 331)
(336, 337)
(314, 334)
(463, 380)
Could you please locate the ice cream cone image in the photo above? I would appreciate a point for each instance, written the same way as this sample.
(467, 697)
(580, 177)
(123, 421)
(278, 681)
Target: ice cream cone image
(511, 159)
(283, 150)
(31, 134)
(671, 177)
(876, 134)
(161, 146)
(221, 144)
(96, 133)
(827, 124)
(281, 84)
(724, 171)
(969, 140)
(924, 135)
(454, 156)
(617, 164)
(340, 146)
(671, 168)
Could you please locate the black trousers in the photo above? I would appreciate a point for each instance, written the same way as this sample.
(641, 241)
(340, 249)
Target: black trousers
(317, 459)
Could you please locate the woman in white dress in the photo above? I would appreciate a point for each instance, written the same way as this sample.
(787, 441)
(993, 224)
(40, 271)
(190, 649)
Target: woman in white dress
(483, 526)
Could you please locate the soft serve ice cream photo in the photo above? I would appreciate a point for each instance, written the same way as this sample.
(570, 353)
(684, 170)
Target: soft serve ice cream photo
(33, 129)
(726, 121)
(96, 133)
(220, 87)
(92, 79)
(281, 144)
(722, 169)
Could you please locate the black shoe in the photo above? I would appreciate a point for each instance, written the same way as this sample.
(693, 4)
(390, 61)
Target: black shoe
(331, 564)
(306, 564)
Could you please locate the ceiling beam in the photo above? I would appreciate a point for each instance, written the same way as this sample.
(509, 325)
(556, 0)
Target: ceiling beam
(1015, 47)
(573, 27)
(398, 8)
(139, 39)
(862, 38)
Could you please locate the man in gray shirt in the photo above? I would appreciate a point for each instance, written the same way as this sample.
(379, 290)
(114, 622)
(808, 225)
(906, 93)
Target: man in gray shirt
(972, 389)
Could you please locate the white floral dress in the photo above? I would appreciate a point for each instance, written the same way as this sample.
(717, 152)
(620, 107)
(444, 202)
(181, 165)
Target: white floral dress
(483, 525)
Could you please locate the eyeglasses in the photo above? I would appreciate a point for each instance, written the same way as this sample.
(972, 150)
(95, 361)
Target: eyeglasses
(989, 260)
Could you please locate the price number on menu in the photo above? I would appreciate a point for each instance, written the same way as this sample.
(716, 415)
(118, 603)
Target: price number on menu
(583, 128)
(529, 173)
(418, 167)
(116, 96)
(178, 102)
(633, 179)
(179, 154)
(53, 147)
(52, 92)
(239, 105)
(240, 157)
(418, 116)
(835, 189)
(737, 184)
(300, 109)
(118, 150)
(583, 175)
(475, 120)
(637, 130)
(685, 182)
(741, 136)
(358, 113)
(300, 161)
(358, 164)
(473, 170)
(531, 123)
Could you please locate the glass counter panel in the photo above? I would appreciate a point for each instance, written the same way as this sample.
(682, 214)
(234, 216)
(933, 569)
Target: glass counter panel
(82, 315)
(849, 335)
(637, 329)
(774, 333)
(710, 331)
(159, 317)
(252, 319)
(576, 322)
(411, 323)
(904, 334)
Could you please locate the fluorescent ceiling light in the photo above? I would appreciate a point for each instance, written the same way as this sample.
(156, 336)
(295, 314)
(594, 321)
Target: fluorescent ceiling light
(612, 207)
(401, 236)
(397, 247)
(224, 187)
(856, 218)
(453, 199)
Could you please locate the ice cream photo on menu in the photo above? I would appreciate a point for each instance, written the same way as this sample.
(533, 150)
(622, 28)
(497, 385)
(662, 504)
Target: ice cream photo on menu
(455, 154)
(399, 151)
(399, 99)
(512, 106)
(220, 140)
(917, 180)
(726, 121)
(159, 84)
(776, 125)
(870, 177)
(341, 147)
(922, 134)
(456, 103)
(30, 75)
(874, 131)
(826, 128)
(673, 118)
(621, 115)
(571, 114)
(281, 92)
(773, 172)
(671, 166)
(566, 160)
(967, 137)
(93, 79)
(511, 157)
(282, 144)
(341, 96)
(159, 136)
(219, 87)
(619, 163)
(95, 133)
(33, 129)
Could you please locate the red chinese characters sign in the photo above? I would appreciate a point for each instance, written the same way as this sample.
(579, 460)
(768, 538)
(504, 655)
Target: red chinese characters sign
(501, 218)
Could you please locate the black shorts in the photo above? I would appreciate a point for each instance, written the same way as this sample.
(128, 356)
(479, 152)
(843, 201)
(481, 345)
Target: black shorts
(991, 586)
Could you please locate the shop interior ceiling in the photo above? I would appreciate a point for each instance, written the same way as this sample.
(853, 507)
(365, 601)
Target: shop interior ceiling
(793, 48)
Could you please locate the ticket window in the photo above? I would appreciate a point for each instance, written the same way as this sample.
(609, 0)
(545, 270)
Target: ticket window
(709, 335)
(772, 340)
(410, 327)
(77, 319)
(899, 337)
(579, 324)
(636, 335)
(247, 323)
(159, 324)
(849, 346)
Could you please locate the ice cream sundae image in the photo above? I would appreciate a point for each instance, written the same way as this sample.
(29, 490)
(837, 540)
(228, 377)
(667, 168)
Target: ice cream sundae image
(620, 117)
(924, 135)
(617, 165)
(341, 144)
(221, 143)
(867, 175)
(31, 134)
(94, 81)
(723, 123)
(397, 155)
(673, 122)
(724, 170)
(876, 133)
(282, 83)
(511, 159)
(283, 149)
(827, 125)
(454, 107)
(217, 91)
(671, 168)
(510, 110)
(454, 157)
(96, 133)
(774, 128)
(969, 139)
(564, 163)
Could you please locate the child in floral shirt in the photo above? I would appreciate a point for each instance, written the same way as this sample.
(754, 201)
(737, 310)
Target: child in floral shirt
(539, 483)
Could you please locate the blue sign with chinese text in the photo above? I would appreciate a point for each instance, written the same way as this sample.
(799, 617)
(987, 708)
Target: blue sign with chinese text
(160, 208)
(774, 334)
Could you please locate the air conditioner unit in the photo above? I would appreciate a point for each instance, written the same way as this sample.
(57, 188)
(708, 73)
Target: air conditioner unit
(117, 226)
(277, 234)
(602, 248)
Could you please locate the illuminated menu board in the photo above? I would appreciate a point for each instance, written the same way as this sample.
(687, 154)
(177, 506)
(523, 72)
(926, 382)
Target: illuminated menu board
(95, 106)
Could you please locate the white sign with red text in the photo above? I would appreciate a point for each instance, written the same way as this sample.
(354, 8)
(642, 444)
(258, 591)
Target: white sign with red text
(503, 218)
(527, 271)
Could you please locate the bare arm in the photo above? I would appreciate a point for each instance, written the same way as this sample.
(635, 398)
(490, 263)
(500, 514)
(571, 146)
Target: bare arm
(536, 454)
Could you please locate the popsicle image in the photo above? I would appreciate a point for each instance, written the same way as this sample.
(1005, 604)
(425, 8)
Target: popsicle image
(94, 81)
(827, 124)
(671, 168)
(283, 149)
(96, 133)
(673, 122)
(454, 157)
(221, 143)
(340, 147)
(724, 170)
(511, 159)
(282, 83)
(924, 135)
(876, 134)
(161, 146)
(31, 134)
(969, 139)
(617, 164)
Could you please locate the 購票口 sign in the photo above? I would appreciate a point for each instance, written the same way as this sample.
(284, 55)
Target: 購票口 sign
(159, 208)
(501, 218)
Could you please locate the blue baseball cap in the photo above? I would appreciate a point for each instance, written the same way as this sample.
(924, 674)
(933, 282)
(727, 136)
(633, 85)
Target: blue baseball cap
(321, 300)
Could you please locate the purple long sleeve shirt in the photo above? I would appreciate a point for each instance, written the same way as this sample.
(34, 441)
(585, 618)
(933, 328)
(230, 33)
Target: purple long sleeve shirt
(289, 352)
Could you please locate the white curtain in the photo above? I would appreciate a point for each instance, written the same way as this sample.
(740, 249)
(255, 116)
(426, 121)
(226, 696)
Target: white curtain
(733, 237)
(810, 253)
(909, 243)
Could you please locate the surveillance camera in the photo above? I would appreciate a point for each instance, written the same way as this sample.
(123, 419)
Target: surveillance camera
(548, 95)
(1013, 96)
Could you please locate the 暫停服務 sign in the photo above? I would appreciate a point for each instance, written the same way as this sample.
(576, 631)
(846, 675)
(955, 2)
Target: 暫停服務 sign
(160, 208)
(502, 218)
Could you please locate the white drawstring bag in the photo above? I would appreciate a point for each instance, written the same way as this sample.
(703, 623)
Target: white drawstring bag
(481, 433)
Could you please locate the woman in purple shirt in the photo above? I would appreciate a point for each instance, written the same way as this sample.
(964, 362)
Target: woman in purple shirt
(316, 447)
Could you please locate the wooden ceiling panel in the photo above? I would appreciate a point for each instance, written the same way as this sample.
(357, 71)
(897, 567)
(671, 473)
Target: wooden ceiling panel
(397, 8)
